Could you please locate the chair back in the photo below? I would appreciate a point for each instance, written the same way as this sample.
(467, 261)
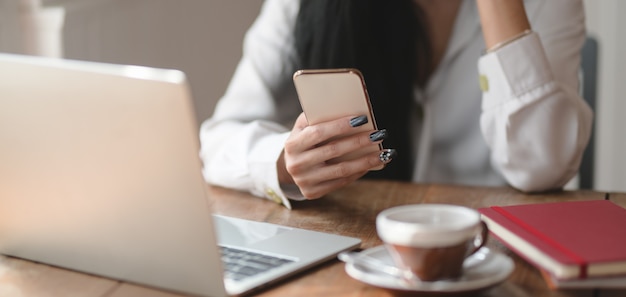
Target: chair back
(589, 69)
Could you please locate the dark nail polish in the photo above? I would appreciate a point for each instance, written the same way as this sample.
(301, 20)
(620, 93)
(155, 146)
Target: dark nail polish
(378, 135)
(387, 155)
(358, 121)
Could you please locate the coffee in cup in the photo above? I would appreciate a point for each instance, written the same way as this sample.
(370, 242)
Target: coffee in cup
(431, 240)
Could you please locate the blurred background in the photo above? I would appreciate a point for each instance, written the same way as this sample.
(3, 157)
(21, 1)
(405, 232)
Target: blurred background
(204, 39)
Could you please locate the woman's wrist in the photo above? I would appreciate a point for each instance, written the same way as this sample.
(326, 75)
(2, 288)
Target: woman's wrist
(502, 21)
(510, 40)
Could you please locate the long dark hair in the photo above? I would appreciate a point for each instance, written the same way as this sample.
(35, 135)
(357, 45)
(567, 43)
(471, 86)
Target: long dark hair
(387, 41)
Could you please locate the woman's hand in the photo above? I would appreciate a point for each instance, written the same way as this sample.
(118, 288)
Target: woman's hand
(304, 160)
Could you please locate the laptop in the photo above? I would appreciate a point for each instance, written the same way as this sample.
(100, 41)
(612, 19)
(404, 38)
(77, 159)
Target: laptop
(100, 173)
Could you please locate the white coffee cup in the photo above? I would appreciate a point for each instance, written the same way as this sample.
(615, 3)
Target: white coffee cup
(431, 240)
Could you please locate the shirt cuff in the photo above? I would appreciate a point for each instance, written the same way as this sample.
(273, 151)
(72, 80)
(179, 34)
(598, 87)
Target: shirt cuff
(513, 70)
(263, 168)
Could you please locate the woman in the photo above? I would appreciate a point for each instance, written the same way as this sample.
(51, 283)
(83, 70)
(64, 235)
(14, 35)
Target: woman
(523, 124)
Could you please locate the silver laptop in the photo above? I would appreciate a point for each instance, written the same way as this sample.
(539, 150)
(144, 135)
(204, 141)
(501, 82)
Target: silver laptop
(99, 172)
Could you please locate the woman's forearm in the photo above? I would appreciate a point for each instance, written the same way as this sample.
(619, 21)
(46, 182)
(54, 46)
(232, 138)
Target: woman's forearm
(501, 20)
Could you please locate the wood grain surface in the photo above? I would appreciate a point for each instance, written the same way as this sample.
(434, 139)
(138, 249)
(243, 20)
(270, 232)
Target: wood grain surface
(350, 211)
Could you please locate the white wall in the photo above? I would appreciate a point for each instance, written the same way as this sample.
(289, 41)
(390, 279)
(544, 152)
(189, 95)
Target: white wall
(201, 37)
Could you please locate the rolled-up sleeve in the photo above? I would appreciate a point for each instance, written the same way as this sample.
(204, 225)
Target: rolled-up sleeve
(533, 119)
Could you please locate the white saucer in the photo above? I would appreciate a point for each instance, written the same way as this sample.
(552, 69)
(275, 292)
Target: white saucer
(485, 268)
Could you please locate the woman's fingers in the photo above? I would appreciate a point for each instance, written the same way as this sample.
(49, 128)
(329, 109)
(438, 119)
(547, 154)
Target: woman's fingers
(306, 137)
(320, 189)
(324, 178)
(311, 151)
(334, 149)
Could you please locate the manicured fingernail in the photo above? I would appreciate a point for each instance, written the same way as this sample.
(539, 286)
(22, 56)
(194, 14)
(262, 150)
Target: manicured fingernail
(387, 155)
(358, 121)
(378, 135)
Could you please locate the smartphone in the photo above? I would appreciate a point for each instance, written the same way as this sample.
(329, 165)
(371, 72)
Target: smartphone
(328, 94)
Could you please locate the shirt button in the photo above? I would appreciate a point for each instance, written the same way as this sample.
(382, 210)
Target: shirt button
(273, 196)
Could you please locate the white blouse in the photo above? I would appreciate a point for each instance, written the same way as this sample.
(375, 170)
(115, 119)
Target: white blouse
(527, 128)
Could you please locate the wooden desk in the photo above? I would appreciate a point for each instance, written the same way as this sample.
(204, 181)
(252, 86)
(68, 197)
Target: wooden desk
(351, 211)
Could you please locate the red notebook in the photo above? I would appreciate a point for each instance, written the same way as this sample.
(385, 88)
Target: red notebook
(576, 239)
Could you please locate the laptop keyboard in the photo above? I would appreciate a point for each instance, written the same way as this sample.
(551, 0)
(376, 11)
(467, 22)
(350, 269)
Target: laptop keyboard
(239, 264)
